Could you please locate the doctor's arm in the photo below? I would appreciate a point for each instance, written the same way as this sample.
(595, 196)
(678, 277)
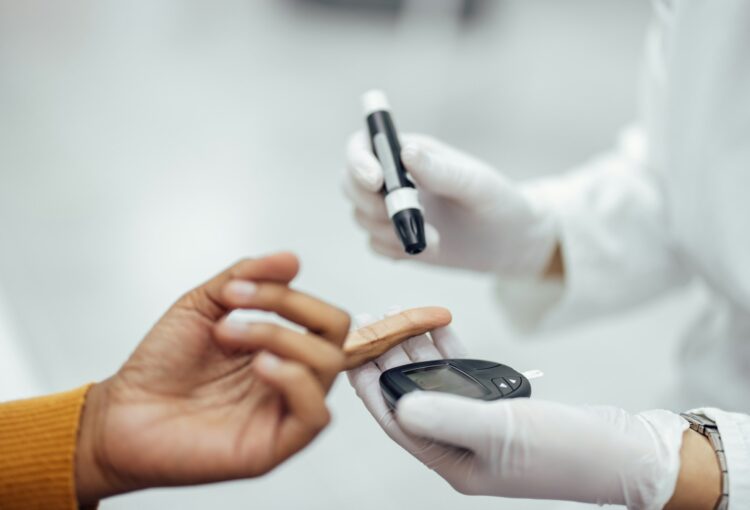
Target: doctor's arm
(600, 226)
(529, 448)
(615, 244)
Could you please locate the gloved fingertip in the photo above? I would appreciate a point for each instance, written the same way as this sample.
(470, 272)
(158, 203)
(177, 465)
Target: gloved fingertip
(432, 235)
(411, 155)
(446, 418)
(369, 178)
(414, 412)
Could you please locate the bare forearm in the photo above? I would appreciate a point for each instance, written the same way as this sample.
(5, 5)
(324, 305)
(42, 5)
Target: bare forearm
(699, 482)
(556, 266)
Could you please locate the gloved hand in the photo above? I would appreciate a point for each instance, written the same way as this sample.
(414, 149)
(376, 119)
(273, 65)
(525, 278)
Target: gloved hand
(475, 218)
(526, 448)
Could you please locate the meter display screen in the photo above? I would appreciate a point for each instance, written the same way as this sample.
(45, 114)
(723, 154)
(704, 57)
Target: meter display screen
(446, 379)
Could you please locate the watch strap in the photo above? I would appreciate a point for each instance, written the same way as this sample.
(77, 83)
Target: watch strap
(707, 427)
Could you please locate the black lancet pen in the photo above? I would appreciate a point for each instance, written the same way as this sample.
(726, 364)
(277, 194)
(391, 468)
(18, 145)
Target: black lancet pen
(400, 194)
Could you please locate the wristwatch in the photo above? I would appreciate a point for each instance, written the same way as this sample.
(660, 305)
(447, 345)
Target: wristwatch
(707, 427)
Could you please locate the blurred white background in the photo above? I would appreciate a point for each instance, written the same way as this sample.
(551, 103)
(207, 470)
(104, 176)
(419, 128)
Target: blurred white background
(146, 145)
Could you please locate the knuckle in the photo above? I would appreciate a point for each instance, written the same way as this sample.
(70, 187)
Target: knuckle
(368, 333)
(265, 331)
(297, 374)
(270, 296)
(333, 362)
(238, 268)
(192, 298)
(281, 295)
(342, 321)
(322, 419)
(464, 485)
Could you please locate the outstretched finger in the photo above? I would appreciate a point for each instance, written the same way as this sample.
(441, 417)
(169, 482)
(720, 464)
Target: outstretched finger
(369, 342)
(208, 299)
(316, 315)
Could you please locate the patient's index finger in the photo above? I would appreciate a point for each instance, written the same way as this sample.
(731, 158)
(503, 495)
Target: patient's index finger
(369, 342)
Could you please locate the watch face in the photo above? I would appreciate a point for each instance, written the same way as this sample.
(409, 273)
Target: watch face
(446, 379)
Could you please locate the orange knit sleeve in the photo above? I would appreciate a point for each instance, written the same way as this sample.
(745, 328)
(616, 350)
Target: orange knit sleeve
(37, 451)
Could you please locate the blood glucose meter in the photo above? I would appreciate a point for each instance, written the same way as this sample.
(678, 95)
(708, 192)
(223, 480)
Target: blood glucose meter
(473, 378)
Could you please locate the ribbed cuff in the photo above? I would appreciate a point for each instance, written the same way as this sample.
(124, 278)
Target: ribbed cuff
(37, 451)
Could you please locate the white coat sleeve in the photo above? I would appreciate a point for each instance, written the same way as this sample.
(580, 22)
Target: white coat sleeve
(614, 236)
(735, 436)
(614, 226)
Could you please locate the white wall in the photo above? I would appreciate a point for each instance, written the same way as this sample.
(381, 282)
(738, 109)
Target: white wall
(145, 145)
(18, 378)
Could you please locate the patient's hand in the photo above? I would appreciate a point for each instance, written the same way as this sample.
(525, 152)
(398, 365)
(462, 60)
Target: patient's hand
(204, 398)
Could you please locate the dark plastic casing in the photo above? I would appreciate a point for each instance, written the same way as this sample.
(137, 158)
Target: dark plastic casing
(408, 223)
(488, 375)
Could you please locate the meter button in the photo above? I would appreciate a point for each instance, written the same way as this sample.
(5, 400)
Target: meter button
(502, 386)
(513, 382)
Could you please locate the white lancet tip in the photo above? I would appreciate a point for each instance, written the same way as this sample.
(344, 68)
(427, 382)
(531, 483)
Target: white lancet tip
(374, 101)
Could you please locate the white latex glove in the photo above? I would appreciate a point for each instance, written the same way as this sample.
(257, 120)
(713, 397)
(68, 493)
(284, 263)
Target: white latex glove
(526, 448)
(475, 218)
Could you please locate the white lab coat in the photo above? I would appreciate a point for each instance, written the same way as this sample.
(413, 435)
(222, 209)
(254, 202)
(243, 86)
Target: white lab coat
(670, 204)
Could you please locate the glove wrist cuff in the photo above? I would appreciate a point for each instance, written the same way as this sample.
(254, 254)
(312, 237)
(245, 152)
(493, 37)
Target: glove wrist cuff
(537, 246)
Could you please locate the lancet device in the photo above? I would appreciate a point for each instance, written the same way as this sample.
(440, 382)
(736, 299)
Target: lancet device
(398, 189)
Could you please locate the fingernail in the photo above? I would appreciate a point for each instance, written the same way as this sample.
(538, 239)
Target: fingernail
(268, 361)
(236, 326)
(242, 289)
